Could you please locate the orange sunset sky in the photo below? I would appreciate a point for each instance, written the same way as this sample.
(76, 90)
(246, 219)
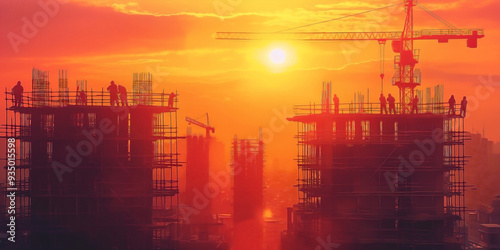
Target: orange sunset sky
(235, 82)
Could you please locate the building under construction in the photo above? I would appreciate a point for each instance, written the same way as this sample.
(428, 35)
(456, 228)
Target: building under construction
(248, 167)
(92, 176)
(378, 181)
(201, 228)
(197, 179)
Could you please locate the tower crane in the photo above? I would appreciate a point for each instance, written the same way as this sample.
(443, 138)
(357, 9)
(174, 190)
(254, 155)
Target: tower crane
(207, 126)
(405, 77)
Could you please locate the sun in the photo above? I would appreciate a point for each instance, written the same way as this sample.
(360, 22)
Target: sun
(277, 56)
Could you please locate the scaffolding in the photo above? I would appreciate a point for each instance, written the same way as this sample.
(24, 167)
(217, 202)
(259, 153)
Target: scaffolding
(63, 87)
(40, 87)
(142, 88)
(376, 181)
(81, 85)
(95, 98)
(93, 176)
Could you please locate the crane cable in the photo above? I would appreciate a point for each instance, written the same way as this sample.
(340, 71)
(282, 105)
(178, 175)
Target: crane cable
(381, 42)
(382, 66)
(204, 115)
(338, 18)
(437, 17)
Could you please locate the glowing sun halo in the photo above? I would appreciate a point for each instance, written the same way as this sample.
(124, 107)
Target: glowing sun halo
(277, 56)
(268, 214)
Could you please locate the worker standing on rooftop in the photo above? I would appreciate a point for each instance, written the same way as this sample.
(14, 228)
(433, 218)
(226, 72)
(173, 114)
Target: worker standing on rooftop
(383, 104)
(392, 104)
(17, 91)
(113, 94)
(171, 99)
(463, 107)
(77, 95)
(83, 97)
(336, 103)
(123, 95)
(451, 103)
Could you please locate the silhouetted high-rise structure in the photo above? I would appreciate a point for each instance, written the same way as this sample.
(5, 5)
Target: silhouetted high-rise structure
(197, 175)
(248, 166)
(378, 181)
(92, 176)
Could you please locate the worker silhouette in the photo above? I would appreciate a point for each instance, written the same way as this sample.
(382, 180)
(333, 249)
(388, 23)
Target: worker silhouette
(392, 104)
(414, 105)
(123, 95)
(171, 99)
(383, 104)
(113, 94)
(17, 91)
(336, 103)
(83, 97)
(451, 103)
(463, 107)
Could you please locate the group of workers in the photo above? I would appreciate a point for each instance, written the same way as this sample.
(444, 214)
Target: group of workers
(115, 90)
(392, 104)
(383, 104)
(414, 105)
(81, 97)
(463, 106)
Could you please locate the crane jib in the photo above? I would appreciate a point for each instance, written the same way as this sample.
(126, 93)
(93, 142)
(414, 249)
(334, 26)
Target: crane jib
(441, 35)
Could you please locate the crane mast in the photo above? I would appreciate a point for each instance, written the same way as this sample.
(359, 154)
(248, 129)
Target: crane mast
(405, 77)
